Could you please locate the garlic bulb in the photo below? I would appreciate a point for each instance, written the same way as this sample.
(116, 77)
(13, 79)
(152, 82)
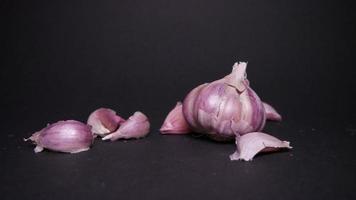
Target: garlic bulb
(64, 136)
(104, 121)
(224, 109)
(137, 126)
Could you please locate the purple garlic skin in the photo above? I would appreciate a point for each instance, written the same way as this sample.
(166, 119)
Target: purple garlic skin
(104, 121)
(137, 126)
(68, 136)
(228, 109)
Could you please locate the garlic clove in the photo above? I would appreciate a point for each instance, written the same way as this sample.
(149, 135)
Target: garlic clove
(189, 103)
(68, 136)
(175, 122)
(271, 113)
(104, 121)
(205, 120)
(250, 144)
(253, 110)
(137, 126)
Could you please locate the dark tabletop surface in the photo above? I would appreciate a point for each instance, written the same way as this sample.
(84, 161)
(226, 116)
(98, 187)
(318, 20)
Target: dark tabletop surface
(63, 59)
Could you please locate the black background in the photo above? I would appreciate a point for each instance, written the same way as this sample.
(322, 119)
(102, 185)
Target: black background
(63, 59)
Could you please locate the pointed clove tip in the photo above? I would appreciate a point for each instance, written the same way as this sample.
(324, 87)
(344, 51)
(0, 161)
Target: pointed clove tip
(108, 137)
(287, 144)
(164, 130)
(165, 127)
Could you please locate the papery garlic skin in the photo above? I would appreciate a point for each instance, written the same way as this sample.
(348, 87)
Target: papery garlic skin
(137, 126)
(252, 143)
(175, 122)
(225, 107)
(104, 121)
(68, 136)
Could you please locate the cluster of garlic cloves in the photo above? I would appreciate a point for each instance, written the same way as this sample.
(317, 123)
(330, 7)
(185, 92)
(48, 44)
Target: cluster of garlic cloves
(107, 124)
(72, 136)
(225, 109)
(137, 126)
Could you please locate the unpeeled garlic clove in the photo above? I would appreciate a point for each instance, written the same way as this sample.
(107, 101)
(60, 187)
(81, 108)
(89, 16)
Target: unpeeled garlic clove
(250, 144)
(271, 113)
(68, 136)
(104, 121)
(137, 126)
(175, 122)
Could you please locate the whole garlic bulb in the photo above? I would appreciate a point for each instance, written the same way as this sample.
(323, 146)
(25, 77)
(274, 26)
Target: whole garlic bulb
(227, 109)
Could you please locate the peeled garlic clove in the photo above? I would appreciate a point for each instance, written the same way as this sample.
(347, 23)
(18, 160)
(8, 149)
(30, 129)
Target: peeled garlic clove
(250, 144)
(175, 122)
(137, 126)
(104, 121)
(64, 136)
(271, 113)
